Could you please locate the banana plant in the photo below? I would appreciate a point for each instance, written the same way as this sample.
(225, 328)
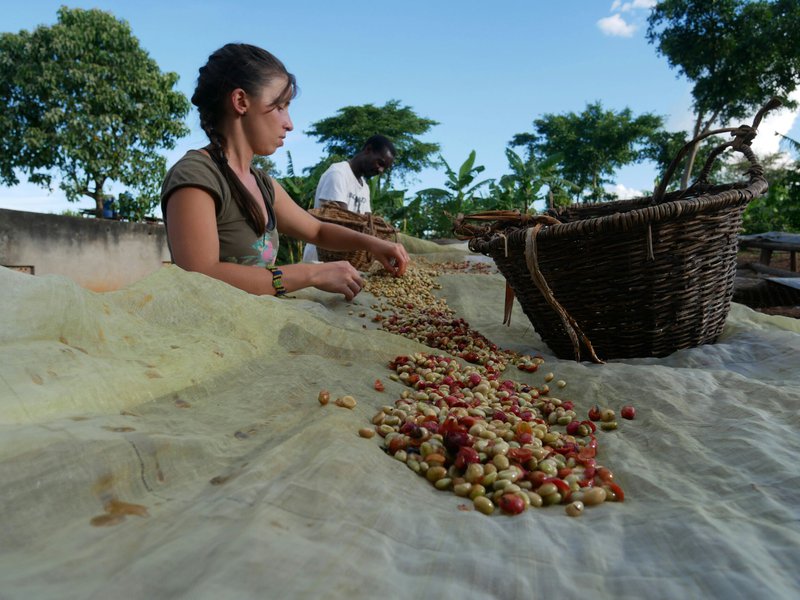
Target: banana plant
(460, 195)
(791, 142)
(530, 180)
(384, 200)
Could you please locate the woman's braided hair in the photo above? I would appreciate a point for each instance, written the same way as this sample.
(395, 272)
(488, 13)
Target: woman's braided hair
(236, 66)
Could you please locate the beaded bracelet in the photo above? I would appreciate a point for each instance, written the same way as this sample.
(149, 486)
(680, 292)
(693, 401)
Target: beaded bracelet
(276, 281)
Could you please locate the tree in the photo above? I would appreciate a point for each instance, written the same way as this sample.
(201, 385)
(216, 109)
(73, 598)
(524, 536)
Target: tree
(593, 144)
(386, 201)
(664, 146)
(83, 100)
(345, 133)
(266, 164)
(526, 182)
(413, 218)
(460, 195)
(737, 54)
(791, 142)
(779, 208)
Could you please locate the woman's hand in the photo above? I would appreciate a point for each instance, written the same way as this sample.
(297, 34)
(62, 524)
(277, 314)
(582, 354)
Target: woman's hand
(392, 256)
(339, 278)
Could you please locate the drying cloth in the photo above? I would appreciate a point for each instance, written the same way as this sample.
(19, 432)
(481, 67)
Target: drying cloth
(165, 441)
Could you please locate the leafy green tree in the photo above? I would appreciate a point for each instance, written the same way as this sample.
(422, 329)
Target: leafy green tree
(460, 195)
(132, 208)
(592, 145)
(529, 181)
(266, 164)
(344, 134)
(81, 99)
(779, 208)
(792, 143)
(386, 201)
(413, 218)
(665, 145)
(736, 53)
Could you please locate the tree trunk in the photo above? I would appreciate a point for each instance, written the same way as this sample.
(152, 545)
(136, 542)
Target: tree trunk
(699, 129)
(687, 169)
(98, 196)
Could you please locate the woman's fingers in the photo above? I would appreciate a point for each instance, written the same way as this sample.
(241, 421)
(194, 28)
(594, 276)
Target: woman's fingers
(347, 279)
(394, 258)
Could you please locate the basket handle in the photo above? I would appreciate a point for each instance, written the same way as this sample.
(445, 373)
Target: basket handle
(743, 137)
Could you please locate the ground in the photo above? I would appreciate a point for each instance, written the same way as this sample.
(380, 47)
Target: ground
(780, 260)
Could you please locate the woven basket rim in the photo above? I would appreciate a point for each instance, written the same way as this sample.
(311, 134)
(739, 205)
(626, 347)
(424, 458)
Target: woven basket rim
(709, 198)
(341, 216)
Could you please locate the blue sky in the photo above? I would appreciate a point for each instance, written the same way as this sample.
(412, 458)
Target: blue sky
(483, 70)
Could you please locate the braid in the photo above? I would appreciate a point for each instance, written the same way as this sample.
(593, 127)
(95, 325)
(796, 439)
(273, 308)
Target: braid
(248, 205)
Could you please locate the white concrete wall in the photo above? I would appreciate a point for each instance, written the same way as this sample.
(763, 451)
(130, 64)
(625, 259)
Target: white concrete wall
(98, 254)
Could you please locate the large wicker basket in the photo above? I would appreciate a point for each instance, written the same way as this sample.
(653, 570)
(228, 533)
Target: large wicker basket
(363, 223)
(632, 278)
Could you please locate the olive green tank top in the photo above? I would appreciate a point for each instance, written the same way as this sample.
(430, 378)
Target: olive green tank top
(237, 241)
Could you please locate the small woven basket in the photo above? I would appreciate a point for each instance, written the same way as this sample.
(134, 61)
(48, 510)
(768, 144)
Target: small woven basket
(631, 278)
(368, 223)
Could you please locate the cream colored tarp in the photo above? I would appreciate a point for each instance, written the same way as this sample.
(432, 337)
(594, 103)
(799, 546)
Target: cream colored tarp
(198, 403)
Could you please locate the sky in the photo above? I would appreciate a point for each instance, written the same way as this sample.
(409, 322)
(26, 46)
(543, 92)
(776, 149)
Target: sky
(483, 70)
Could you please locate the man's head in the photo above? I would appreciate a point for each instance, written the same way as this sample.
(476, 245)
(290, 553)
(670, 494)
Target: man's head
(376, 156)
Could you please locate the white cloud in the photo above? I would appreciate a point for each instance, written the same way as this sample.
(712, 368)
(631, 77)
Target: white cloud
(682, 118)
(625, 193)
(619, 6)
(776, 122)
(616, 26)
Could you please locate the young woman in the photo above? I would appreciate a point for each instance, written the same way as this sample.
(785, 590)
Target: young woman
(223, 216)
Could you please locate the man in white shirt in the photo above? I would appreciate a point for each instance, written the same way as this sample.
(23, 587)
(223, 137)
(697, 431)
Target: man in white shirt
(345, 183)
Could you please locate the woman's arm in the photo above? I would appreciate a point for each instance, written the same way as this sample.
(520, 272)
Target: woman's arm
(294, 221)
(192, 231)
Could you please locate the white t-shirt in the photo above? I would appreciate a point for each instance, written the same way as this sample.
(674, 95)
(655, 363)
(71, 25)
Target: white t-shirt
(339, 184)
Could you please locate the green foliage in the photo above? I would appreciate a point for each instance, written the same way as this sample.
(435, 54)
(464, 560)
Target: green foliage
(385, 201)
(414, 218)
(664, 146)
(529, 181)
(592, 145)
(266, 164)
(779, 208)
(737, 54)
(136, 208)
(345, 133)
(84, 101)
(793, 144)
(439, 206)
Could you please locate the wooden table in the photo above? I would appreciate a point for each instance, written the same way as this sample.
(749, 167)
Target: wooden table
(772, 241)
